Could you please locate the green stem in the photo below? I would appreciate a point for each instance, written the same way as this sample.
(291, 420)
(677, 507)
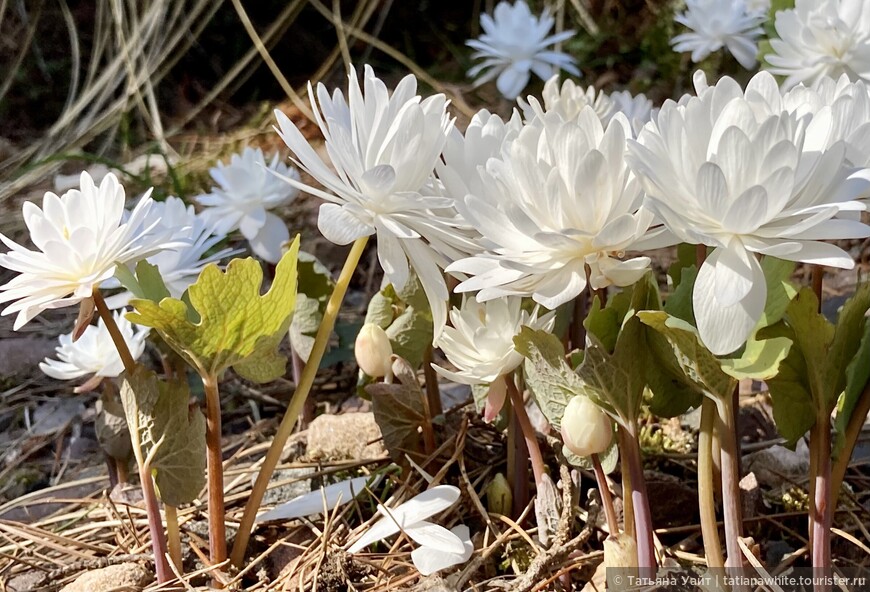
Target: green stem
(640, 502)
(627, 505)
(174, 537)
(114, 331)
(732, 511)
(149, 495)
(525, 425)
(606, 497)
(155, 526)
(820, 507)
(706, 497)
(297, 402)
(217, 534)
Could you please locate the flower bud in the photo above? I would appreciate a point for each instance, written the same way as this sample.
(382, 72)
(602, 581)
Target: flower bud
(586, 429)
(499, 497)
(373, 350)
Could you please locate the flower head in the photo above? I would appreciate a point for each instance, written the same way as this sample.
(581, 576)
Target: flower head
(439, 548)
(383, 149)
(481, 344)
(819, 38)
(94, 352)
(180, 266)
(560, 198)
(514, 45)
(247, 188)
(637, 108)
(726, 170)
(81, 237)
(715, 24)
(567, 100)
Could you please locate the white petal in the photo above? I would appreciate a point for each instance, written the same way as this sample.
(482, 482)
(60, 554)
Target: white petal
(324, 499)
(434, 536)
(723, 329)
(268, 242)
(340, 226)
(429, 560)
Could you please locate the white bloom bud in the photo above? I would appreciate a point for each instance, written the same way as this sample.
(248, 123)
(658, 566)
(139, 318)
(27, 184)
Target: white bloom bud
(499, 495)
(620, 551)
(586, 429)
(373, 350)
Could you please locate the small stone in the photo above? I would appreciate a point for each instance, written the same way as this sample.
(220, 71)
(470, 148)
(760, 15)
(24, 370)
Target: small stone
(124, 576)
(340, 437)
(299, 484)
(20, 355)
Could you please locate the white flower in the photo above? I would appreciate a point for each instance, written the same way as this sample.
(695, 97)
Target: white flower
(820, 38)
(94, 353)
(81, 237)
(179, 267)
(383, 149)
(758, 6)
(567, 101)
(514, 44)
(637, 108)
(248, 188)
(715, 24)
(481, 344)
(439, 548)
(559, 199)
(726, 170)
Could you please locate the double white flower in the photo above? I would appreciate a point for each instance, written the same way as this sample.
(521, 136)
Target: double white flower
(248, 187)
(481, 344)
(81, 237)
(558, 200)
(819, 38)
(383, 149)
(714, 24)
(748, 173)
(514, 44)
(94, 353)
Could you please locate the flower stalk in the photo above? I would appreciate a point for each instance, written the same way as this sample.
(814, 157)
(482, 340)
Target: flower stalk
(152, 508)
(731, 508)
(528, 431)
(297, 402)
(606, 497)
(630, 449)
(706, 488)
(217, 536)
(173, 535)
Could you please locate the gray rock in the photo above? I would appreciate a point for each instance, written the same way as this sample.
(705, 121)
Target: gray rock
(349, 436)
(778, 465)
(124, 576)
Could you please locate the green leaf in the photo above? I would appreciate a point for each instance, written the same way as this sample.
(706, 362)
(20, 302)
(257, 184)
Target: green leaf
(550, 378)
(315, 280)
(399, 412)
(857, 377)
(303, 327)
(603, 323)
(110, 425)
(848, 335)
(168, 439)
(700, 366)
(679, 304)
(411, 334)
(687, 256)
(813, 334)
(380, 311)
(145, 283)
(760, 359)
(237, 326)
(780, 291)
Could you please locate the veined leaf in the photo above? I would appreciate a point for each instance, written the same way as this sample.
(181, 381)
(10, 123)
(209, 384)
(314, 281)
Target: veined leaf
(547, 374)
(167, 438)
(399, 411)
(314, 286)
(857, 377)
(237, 326)
(700, 366)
